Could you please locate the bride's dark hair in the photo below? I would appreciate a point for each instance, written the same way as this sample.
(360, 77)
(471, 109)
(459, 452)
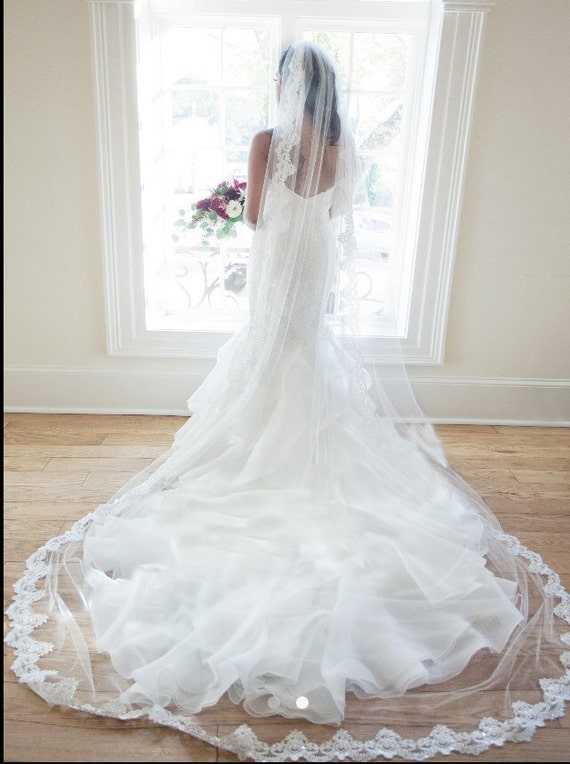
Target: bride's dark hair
(320, 66)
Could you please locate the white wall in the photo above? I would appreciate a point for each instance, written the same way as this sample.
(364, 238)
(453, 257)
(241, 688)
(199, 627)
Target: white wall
(507, 352)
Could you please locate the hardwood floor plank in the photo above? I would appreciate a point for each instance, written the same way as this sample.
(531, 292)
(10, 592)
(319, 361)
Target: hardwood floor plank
(24, 464)
(521, 491)
(18, 547)
(21, 529)
(490, 476)
(461, 430)
(56, 492)
(55, 438)
(107, 481)
(511, 461)
(506, 449)
(70, 736)
(548, 542)
(533, 432)
(537, 505)
(93, 464)
(89, 423)
(66, 510)
(127, 451)
(544, 477)
(521, 522)
(154, 439)
(26, 479)
(553, 439)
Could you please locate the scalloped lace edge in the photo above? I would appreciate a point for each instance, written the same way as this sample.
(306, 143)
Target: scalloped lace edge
(526, 720)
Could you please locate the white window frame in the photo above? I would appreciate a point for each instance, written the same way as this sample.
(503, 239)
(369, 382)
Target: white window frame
(455, 40)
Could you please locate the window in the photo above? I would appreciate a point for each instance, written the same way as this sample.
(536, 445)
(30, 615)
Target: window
(180, 92)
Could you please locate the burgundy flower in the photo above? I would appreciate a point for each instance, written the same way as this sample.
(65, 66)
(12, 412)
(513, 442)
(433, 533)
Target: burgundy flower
(219, 206)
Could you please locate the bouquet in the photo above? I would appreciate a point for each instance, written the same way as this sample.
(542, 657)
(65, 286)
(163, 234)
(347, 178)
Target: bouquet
(219, 213)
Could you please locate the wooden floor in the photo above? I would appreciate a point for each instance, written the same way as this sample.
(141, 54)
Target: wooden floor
(59, 467)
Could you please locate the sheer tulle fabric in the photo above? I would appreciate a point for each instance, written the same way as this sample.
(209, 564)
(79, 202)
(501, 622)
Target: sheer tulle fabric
(303, 550)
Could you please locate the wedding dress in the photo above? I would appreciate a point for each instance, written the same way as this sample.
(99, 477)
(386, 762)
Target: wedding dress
(299, 550)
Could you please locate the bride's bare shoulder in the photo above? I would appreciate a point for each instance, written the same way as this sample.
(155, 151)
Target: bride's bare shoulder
(263, 136)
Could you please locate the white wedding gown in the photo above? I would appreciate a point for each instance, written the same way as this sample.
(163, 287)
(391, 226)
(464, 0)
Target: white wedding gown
(290, 556)
(253, 576)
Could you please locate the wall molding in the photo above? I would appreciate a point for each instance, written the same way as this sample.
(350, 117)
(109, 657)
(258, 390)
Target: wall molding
(453, 399)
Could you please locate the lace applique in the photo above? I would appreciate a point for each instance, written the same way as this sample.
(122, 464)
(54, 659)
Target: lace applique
(290, 135)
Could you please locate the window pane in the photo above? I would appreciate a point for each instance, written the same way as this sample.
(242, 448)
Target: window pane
(382, 173)
(380, 61)
(338, 44)
(246, 57)
(206, 283)
(374, 228)
(192, 55)
(375, 121)
(195, 141)
(246, 114)
(202, 107)
(193, 166)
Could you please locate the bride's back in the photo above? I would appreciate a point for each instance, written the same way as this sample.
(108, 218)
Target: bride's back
(317, 163)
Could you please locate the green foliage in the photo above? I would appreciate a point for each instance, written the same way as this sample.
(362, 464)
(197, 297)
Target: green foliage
(377, 191)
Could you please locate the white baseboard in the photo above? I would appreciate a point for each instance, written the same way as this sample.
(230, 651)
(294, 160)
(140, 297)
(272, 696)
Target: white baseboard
(98, 391)
(495, 400)
(453, 400)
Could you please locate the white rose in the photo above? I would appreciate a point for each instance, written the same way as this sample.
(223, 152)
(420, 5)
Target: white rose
(233, 210)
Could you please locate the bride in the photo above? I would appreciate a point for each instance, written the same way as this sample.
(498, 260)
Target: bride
(303, 549)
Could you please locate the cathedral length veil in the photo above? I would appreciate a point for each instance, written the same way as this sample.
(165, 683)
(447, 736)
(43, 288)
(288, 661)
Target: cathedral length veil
(303, 550)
